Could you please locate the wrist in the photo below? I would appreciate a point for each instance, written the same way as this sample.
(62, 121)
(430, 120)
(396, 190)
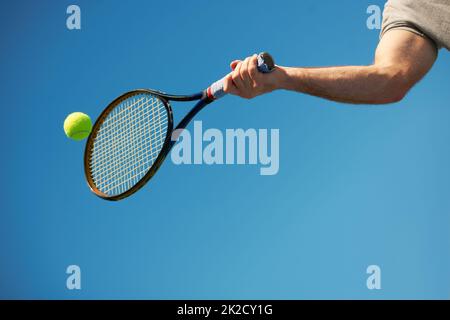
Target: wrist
(283, 78)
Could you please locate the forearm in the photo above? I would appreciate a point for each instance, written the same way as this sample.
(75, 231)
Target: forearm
(402, 58)
(352, 84)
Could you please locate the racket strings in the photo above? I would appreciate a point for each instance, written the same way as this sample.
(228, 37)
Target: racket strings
(139, 158)
(118, 167)
(120, 136)
(132, 148)
(128, 143)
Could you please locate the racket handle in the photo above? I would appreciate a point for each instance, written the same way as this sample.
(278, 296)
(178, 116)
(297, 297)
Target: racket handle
(265, 65)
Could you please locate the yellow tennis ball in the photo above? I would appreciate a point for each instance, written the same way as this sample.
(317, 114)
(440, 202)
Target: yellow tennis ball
(77, 126)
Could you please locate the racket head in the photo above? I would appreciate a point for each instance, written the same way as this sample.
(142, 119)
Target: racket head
(128, 143)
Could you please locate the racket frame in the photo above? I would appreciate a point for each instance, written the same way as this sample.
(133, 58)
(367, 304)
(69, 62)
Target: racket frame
(167, 145)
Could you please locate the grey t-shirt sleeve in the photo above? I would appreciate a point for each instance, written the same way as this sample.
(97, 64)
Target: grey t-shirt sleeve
(426, 18)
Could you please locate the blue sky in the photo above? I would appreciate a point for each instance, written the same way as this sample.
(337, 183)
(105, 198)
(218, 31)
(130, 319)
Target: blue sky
(358, 185)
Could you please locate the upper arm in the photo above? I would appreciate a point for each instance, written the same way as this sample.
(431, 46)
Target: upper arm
(406, 57)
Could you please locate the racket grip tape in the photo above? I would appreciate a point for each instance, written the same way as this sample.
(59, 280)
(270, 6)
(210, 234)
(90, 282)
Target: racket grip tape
(266, 64)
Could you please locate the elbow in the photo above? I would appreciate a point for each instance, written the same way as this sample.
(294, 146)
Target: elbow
(389, 96)
(395, 85)
(397, 90)
(394, 95)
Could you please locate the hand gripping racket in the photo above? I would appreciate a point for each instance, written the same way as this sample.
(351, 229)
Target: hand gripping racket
(132, 136)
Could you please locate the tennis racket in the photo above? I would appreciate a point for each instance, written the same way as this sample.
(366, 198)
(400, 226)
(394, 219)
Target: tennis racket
(133, 135)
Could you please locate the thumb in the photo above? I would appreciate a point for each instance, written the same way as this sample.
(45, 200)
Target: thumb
(234, 63)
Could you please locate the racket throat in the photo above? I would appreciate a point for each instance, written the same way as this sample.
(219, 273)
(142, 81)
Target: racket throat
(196, 109)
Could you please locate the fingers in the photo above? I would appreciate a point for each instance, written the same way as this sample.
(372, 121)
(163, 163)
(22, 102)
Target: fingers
(253, 67)
(236, 77)
(229, 86)
(245, 80)
(243, 75)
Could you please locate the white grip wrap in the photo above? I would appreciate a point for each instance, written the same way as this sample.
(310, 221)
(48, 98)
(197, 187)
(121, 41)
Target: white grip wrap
(215, 91)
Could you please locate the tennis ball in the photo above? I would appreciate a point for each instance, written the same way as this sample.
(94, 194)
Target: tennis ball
(77, 126)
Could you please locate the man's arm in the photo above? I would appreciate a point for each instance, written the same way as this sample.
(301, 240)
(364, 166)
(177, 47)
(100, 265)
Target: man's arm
(401, 60)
